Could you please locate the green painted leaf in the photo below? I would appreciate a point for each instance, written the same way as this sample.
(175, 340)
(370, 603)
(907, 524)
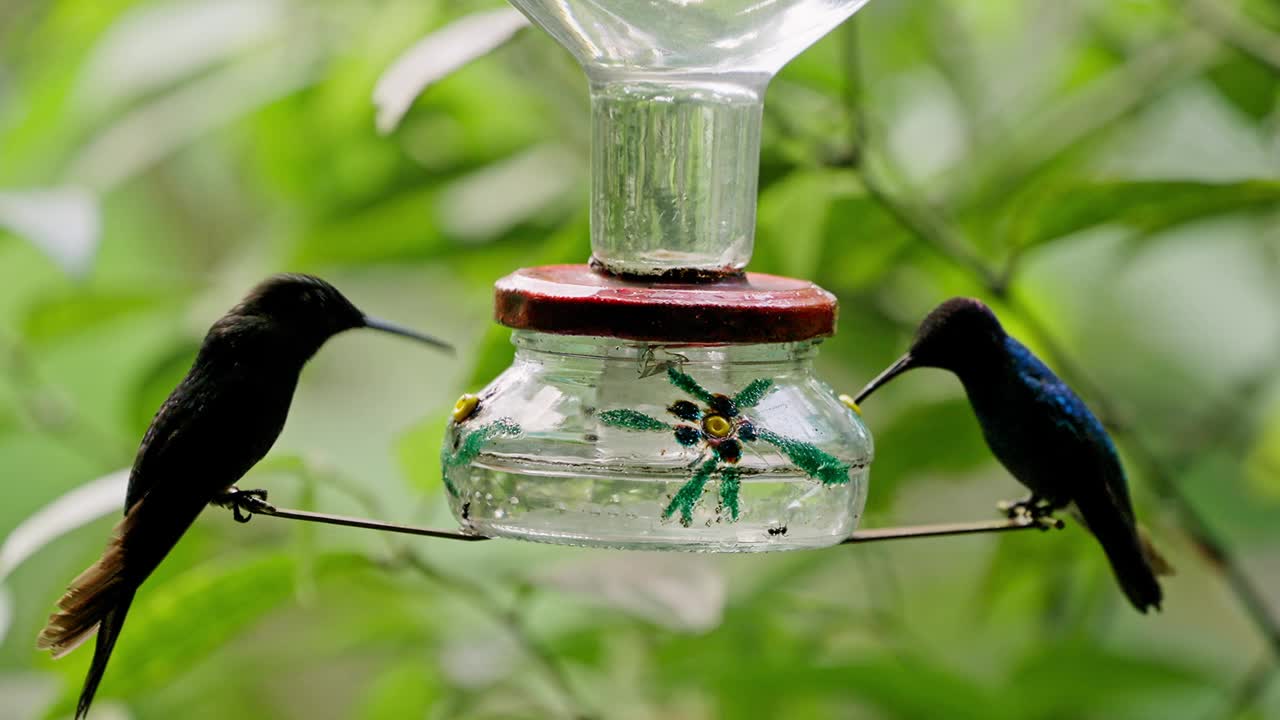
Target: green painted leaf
(688, 495)
(730, 485)
(752, 394)
(474, 440)
(815, 462)
(632, 420)
(689, 385)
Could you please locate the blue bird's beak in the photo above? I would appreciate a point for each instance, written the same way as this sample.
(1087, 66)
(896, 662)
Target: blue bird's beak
(905, 363)
(376, 324)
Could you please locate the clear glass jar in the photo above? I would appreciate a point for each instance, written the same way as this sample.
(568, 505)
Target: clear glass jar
(628, 444)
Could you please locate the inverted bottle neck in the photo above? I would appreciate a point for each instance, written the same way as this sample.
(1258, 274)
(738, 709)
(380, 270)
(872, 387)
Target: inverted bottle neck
(675, 163)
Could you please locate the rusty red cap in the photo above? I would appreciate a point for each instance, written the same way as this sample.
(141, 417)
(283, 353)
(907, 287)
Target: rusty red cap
(576, 300)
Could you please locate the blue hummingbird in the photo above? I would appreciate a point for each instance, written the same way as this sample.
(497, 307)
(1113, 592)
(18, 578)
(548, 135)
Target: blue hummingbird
(1042, 433)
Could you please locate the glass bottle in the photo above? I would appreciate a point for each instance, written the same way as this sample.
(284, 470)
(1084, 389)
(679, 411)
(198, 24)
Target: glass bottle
(631, 444)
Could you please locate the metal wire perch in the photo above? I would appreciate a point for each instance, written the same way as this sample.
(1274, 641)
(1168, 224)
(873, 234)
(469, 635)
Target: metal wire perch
(253, 502)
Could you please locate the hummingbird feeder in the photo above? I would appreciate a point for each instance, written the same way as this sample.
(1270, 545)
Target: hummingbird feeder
(662, 397)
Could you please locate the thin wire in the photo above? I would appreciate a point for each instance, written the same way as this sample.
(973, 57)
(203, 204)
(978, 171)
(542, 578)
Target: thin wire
(254, 506)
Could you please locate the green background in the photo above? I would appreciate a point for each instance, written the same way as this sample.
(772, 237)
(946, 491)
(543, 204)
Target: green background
(1106, 174)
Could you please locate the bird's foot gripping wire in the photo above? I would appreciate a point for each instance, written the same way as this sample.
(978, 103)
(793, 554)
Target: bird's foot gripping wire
(1033, 511)
(244, 503)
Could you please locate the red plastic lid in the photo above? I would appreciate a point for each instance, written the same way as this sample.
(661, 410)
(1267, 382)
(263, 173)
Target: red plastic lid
(576, 300)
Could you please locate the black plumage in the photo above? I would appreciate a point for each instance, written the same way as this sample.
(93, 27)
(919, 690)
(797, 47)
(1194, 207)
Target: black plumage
(1042, 433)
(217, 424)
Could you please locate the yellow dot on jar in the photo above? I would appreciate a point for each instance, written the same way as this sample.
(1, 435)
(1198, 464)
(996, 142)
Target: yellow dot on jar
(849, 403)
(716, 426)
(465, 407)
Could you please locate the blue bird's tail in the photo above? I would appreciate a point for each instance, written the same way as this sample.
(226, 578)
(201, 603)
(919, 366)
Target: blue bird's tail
(1136, 576)
(1133, 559)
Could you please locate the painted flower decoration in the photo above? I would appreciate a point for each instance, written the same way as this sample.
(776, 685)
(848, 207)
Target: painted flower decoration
(721, 428)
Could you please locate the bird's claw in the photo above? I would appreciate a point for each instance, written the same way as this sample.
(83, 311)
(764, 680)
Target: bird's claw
(1032, 511)
(1049, 522)
(244, 503)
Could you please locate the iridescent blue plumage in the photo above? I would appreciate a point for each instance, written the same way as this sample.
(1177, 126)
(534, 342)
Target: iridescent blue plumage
(1040, 430)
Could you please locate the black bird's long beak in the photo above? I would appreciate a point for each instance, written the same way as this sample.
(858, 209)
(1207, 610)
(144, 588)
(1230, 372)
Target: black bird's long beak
(375, 324)
(905, 363)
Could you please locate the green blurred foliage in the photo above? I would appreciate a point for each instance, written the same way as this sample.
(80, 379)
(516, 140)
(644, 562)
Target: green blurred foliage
(1106, 174)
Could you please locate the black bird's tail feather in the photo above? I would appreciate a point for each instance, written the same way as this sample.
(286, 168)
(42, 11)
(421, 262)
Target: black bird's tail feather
(108, 631)
(99, 598)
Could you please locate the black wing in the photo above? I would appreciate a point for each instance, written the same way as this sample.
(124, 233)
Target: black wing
(211, 430)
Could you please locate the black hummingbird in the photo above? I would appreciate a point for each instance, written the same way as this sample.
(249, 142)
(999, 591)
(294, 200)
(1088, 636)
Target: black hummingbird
(217, 424)
(1041, 432)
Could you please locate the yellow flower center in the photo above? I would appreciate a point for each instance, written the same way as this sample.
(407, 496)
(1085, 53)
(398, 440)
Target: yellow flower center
(465, 406)
(716, 426)
(849, 403)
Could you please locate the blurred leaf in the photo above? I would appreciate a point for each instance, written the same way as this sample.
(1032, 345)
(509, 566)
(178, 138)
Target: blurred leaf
(402, 227)
(494, 199)
(174, 625)
(1145, 206)
(792, 216)
(910, 687)
(1249, 86)
(159, 380)
(439, 54)
(823, 225)
(406, 690)
(939, 437)
(26, 694)
(65, 314)
(863, 243)
(71, 510)
(418, 451)
(64, 223)
(679, 592)
(495, 356)
(1262, 464)
(1050, 677)
(6, 611)
(154, 46)
(156, 130)
(496, 352)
